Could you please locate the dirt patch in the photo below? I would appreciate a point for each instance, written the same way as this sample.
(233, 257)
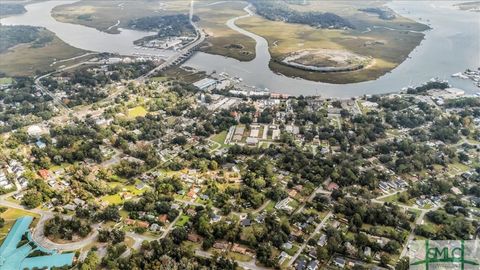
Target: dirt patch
(326, 60)
(235, 46)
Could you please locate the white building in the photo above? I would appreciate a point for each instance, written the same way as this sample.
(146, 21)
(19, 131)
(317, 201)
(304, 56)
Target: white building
(205, 84)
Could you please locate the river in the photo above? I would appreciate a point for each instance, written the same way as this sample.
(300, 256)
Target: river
(79, 36)
(451, 46)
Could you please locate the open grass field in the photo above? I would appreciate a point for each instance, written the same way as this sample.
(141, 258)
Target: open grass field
(182, 221)
(137, 111)
(105, 15)
(239, 257)
(221, 39)
(220, 138)
(370, 38)
(458, 168)
(13, 214)
(10, 215)
(113, 199)
(129, 188)
(6, 80)
(27, 60)
(387, 48)
(394, 198)
(186, 75)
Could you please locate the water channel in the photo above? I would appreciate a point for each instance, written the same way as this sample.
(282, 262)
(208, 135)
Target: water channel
(451, 46)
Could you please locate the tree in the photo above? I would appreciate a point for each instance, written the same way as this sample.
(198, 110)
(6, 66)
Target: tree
(114, 236)
(402, 264)
(213, 165)
(91, 261)
(322, 253)
(110, 213)
(245, 119)
(32, 199)
(179, 234)
(385, 260)
(179, 140)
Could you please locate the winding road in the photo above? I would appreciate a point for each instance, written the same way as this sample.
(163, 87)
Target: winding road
(38, 232)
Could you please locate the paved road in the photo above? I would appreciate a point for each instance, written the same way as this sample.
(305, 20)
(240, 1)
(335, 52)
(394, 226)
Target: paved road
(170, 226)
(45, 91)
(42, 240)
(38, 231)
(263, 206)
(310, 198)
(317, 230)
(419, 220)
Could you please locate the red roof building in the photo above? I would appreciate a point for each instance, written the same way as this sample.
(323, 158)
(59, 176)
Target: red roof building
(163, 218)
(44, 174)
(193, 237)
(143, 224)
(129, 221)
(332, 186)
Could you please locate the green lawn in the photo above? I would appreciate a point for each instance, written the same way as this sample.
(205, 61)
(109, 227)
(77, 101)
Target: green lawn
(239, 257)
(6, 80)
(293, 250)
(270, 206)
(113, 199)
(130, 188)
(137, 111)
(13, 213)
(458, 168)
(182, 221)
(395, 197)
(10, 215)
(123, 213)
(220, 138)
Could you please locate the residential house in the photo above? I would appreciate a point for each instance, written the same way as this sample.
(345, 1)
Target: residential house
(143, 224)
(312, 265)
(154, 227)
(193, 237)
(163, 218)
(282, 257)
(45, 174)
(222, 245)
(245, 222)
(239, 249)
(332, 186)
(340, 262)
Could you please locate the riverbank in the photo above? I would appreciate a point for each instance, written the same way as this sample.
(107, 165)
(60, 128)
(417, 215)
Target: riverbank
(222, 39)
(108, 16)
(387, 48)
(25, 59)
(451, 31)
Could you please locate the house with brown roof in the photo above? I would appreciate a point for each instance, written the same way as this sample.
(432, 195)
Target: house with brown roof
(239, 249)
(44, 174)
(192, 194)
(193, 237)
(332, 186)
(163, 218)
(222, 245)
(128, 221)
(143, 224)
